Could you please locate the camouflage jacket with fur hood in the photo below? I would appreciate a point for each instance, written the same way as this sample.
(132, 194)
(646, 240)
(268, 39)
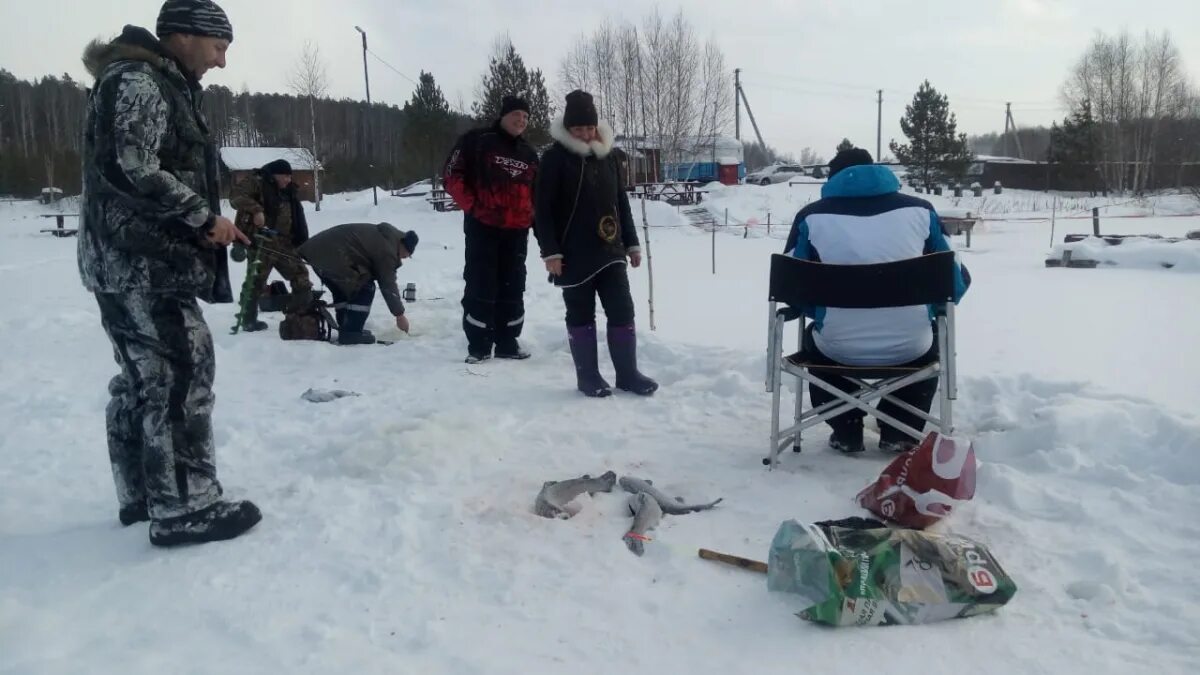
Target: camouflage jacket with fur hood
(150, 183)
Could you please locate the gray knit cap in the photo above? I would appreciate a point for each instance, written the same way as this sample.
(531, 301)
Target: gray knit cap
(193, 17)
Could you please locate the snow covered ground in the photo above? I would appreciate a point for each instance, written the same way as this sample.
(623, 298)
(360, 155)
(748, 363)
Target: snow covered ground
(398, 535)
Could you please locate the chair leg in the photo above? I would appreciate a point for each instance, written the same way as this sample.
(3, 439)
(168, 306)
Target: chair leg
(946, 423)
(773, 452)
(799, 411)
(800, 386)
(772, 455)
(946, 381)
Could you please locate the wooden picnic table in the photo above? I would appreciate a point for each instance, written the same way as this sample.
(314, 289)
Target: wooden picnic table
(955, 225)
(59, 230)
(675, 194)
(441, 201)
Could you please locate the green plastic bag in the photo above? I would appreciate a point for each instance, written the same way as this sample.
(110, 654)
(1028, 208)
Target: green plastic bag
(884, 576)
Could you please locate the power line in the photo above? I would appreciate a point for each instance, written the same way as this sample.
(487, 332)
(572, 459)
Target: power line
(829, 83)
(975, 104)
(831, 94)
(891, 90)
(394, 69)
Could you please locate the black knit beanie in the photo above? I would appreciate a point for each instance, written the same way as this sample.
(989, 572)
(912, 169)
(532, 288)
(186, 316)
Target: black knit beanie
(410, 240)
(580, 111)
(513, 103)
(279, 167)
(848, 158)
(193, 17)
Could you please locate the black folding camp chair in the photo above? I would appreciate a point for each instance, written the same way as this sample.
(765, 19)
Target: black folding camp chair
(795, 283)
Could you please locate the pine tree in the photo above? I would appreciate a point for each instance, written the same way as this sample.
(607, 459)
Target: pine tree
(540, 110)
(428, 98)
(1077, 140)
(845, 145)
(430, 125)
(936, 152)
(508, 76)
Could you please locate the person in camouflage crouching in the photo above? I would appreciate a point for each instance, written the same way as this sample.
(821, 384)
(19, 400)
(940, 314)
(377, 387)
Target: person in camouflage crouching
(267, 202)
(151, 242)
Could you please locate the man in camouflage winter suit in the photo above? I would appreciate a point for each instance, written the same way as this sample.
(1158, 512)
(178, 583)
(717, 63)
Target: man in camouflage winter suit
(268, 200)
(151, 241)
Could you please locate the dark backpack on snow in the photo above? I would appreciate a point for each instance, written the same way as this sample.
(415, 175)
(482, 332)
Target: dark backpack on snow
(310, 323)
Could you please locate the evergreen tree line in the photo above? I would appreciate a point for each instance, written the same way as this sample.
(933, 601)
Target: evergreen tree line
(1133, 118)
(357, 144)
(40, 139)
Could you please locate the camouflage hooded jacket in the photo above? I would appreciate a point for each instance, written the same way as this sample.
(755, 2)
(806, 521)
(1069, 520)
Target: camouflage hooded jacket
(150, 183)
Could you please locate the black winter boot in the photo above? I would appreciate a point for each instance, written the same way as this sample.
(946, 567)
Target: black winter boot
(254, 325)
(510, 349)
(587, 367)
(358, 337)
(897, 445)
(847, 438)
(133, 513)
(622, 347)
(221, 521)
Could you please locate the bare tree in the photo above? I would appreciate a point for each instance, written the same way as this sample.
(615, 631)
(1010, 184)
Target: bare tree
(309, 79)
(808, 157)
(575, 70)
(1132, 88)
(657, 83)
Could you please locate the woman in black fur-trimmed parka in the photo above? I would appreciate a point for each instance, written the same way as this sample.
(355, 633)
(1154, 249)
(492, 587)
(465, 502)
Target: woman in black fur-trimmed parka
(586, 233)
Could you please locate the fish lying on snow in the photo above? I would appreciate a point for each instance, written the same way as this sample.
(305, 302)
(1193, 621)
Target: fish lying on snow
(646, 514)
(325, 395)
(554, 496)
(669, 506)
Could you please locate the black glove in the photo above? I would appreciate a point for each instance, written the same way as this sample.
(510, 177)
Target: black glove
(239, 252)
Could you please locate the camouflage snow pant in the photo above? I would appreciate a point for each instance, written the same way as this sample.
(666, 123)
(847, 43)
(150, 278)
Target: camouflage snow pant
(160, 437)
(283, 257)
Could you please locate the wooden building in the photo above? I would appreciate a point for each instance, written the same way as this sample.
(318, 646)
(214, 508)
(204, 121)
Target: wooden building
(237, 163)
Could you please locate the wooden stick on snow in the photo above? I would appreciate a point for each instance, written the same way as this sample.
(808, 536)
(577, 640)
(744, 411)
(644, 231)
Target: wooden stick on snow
(736, 561)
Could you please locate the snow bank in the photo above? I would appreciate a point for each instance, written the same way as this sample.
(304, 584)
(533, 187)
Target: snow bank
(1181, 256)
(398, 534)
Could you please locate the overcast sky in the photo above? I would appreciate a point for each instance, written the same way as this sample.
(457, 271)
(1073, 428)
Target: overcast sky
(810, 67)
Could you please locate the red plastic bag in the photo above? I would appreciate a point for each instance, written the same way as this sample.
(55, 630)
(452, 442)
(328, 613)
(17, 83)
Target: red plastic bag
(920, 487)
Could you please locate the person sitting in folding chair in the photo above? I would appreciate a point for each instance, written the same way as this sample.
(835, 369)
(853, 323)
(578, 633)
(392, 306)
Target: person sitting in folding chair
(863, 219)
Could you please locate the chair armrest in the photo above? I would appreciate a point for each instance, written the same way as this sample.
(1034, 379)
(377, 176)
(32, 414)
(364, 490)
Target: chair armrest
(789, 313)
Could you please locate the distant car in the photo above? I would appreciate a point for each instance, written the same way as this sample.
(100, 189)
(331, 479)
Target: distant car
(776, 173)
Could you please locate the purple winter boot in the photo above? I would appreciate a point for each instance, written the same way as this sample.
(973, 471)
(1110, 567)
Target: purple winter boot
(622, 346)
(587, 368)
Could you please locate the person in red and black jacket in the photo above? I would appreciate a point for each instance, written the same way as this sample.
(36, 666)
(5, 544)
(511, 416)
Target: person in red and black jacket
(491, 174)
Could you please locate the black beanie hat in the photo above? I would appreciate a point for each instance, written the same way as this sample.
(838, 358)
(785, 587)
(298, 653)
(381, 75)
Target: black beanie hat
(279, 167)
(410, 240)
(580, 111)
(511, 104)
(849, 158)
(193, 17)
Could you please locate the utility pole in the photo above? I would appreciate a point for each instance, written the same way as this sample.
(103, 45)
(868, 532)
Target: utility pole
(1007, 116)
(879, 130)
(1011, 124)
(751, 114)
(737, 103)
(370, 141)
(714, 143)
